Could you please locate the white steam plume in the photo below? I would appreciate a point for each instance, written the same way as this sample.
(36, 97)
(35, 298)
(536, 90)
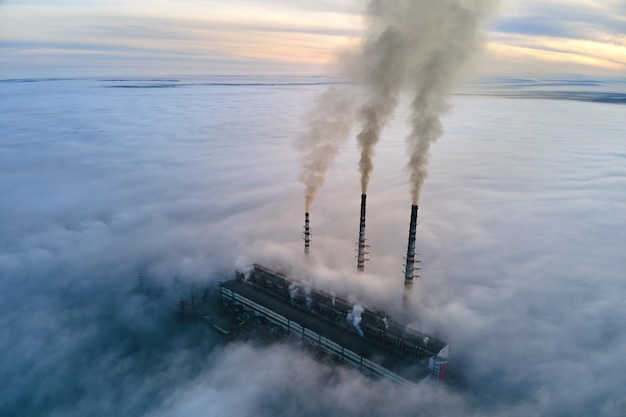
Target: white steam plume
(354, 317)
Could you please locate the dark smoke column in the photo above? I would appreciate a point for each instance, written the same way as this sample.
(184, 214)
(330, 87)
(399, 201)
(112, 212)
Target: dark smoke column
(410, 252)
(361, 251)
(307, 233)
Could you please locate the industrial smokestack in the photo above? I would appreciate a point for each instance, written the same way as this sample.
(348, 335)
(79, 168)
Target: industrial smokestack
(410, 253)
(406, 296)
(361, 251)
(307, 233)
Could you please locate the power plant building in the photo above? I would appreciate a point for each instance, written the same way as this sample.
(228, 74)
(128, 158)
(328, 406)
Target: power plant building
(370, 341)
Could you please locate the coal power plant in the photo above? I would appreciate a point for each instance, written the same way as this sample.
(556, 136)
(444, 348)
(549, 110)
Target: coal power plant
(400, 54)
(347, 332)
(263, 301)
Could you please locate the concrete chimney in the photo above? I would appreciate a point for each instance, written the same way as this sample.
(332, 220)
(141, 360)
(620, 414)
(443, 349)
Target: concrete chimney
(361, 251)
(410, 253)
(307, 233)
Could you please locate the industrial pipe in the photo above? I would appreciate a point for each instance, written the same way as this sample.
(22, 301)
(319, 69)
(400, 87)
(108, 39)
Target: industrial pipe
(307, 233)
(361, 251)
(410, 253)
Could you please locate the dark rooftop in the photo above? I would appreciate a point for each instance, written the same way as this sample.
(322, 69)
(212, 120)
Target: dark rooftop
(385, 342)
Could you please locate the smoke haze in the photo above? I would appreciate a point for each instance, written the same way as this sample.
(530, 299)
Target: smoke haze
(330, 122)
(453, 38)
(381, 68)
(412, 47)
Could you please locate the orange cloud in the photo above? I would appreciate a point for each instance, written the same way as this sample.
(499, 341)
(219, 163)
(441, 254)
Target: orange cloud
(590, 53)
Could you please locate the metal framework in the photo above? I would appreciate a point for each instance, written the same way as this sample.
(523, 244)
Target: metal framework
(379, 346)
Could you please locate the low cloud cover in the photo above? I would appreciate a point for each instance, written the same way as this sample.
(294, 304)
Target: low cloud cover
(521, 233)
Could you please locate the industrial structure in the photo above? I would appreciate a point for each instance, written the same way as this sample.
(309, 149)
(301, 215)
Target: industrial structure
(361, 246)
(410, 266)
(373, 342)
(307, 233)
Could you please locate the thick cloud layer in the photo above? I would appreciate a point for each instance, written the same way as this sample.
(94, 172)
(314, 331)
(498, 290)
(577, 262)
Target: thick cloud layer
(521, 233)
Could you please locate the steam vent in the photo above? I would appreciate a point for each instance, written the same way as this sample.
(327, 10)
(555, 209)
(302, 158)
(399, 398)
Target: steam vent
(361, 248)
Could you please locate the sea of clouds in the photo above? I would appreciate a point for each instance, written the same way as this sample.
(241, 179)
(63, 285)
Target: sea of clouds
(521, 232)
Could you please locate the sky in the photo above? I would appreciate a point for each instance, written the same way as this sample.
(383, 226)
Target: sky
(56, 38)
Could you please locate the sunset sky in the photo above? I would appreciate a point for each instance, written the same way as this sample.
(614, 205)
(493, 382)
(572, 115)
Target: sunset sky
(44, 38)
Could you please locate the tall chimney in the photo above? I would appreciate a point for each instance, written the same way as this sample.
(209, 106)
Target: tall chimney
(410, 253)
(361, 251)
(307, 233)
